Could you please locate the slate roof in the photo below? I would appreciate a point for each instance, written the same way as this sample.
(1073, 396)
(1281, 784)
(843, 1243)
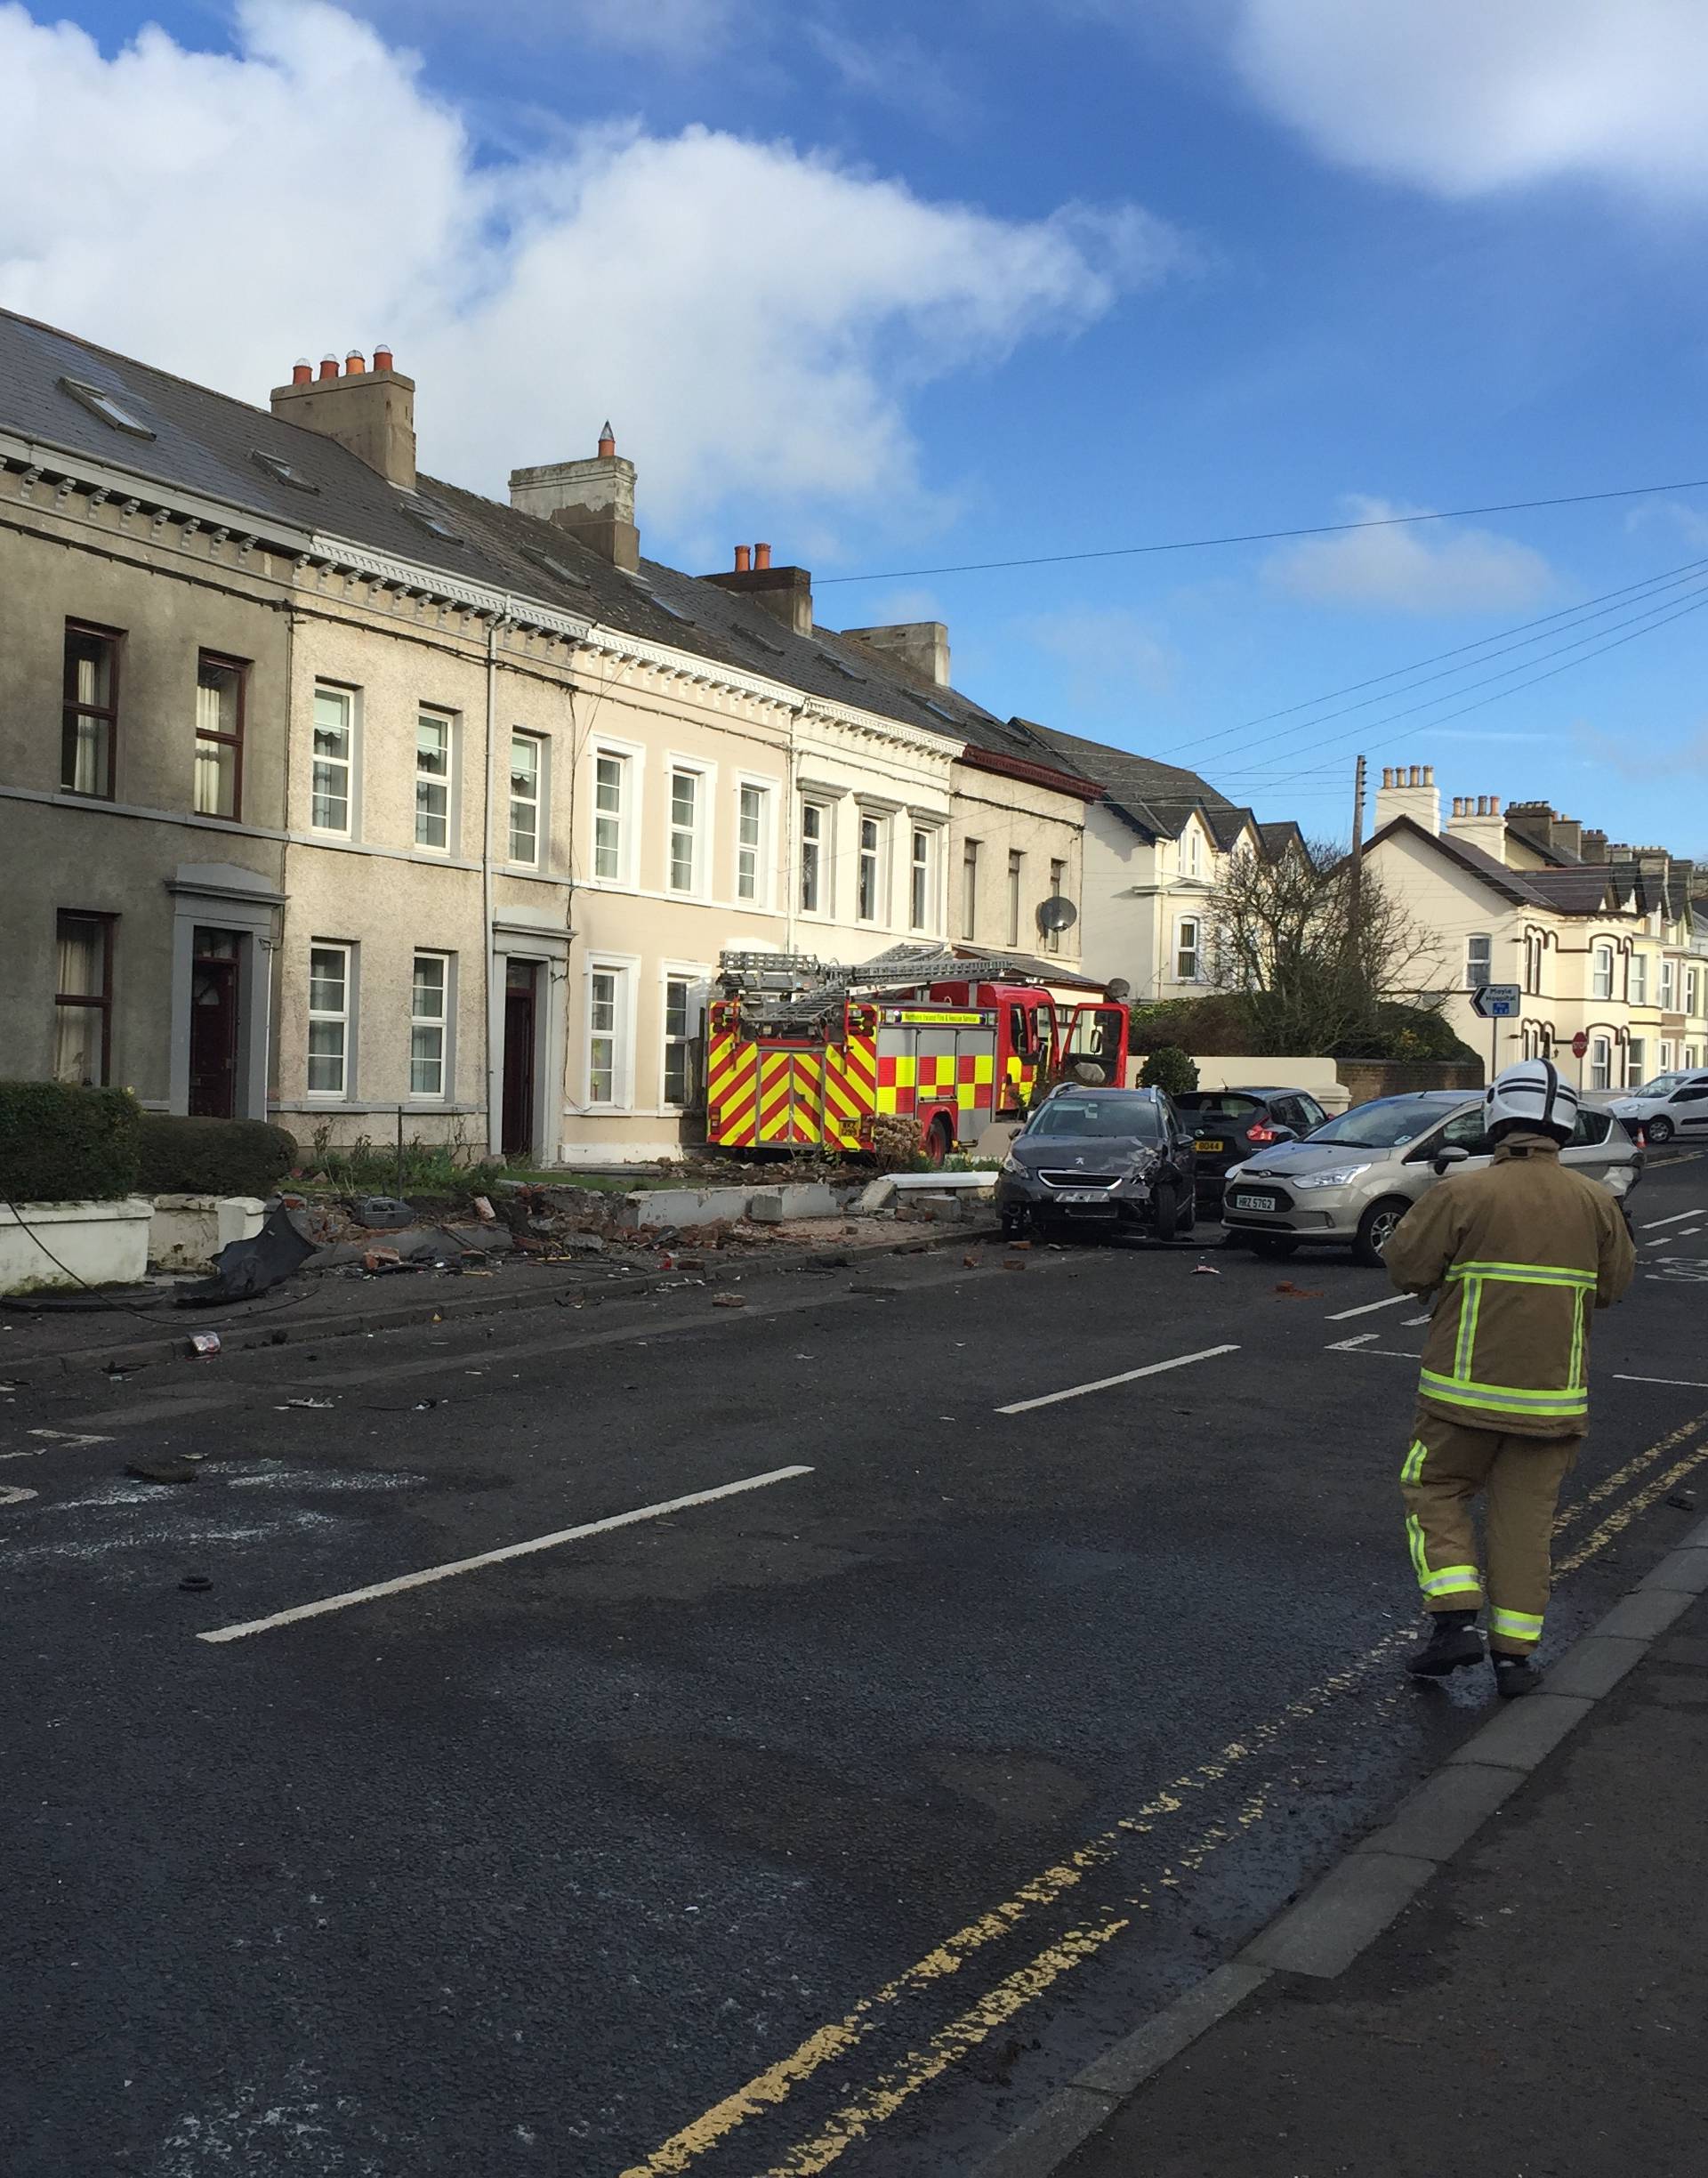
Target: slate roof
(206, 442)
(1586, 887)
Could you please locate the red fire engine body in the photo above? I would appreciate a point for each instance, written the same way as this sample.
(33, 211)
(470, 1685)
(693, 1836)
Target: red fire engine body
(798, 1053)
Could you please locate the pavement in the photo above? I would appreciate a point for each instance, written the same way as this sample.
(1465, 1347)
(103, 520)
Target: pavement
(675, 1737)
(1537, 2011)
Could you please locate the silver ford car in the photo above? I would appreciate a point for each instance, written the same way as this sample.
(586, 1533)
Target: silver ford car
(1351, 1181)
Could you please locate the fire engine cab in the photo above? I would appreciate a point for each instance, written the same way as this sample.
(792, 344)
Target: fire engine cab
(803, 1051)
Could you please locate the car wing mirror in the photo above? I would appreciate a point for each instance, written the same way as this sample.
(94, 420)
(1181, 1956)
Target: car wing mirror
(1449, 1155)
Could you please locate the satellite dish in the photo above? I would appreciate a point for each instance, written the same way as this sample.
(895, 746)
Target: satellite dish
(1057, 913)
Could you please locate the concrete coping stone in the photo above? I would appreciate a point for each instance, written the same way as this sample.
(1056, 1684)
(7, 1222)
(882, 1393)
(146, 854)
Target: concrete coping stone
(1444, 1812)
(1525, 1731)
(1683, 1572)
(1348, 1909)
(1646, 1613)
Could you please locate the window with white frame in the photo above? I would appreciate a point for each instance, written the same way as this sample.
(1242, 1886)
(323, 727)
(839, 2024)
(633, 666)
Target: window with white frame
(1194, 851)
(429, 1026)
(1637, 988)
(331, 975)
(1016, 878)
(687, 789)
(1600, 1062)
(526, 799)
(681, 1026)
(921, 877)
(434, 780)
(1532, 962)
(607, 1019)
(1669, 986)
(753, 842)
(970, 888)
(611, 774)
(869, 888)
(1666, 1056)
(1693, 990)
(1186, 955)
(1052, 936)
(1601, 977)
(1636, 1062)
(1480, 955)
(815, 857)
(332, 790)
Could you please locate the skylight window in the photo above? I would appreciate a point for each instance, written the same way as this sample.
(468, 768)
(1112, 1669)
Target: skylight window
(675, 612)
(936, 711)
(107, 405)
(847, 672)
(433, 518)
(759, 642)
(281, 471)
(555, 568)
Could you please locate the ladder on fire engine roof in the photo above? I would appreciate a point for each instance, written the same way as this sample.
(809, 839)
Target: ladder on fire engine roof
(796, 987)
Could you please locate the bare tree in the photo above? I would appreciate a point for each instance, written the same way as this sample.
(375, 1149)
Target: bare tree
(1286, 940)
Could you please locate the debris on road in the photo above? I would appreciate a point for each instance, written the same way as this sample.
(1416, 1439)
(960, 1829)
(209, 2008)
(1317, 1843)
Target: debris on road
(729, 1300)
(1683, 1501)
(304, 1402)
(196, 1584)
(204, 1341)
(173, 1467)
(1204, 1269)
(1287, 1290)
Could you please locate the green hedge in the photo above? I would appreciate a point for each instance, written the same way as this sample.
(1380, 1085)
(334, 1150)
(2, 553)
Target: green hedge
(61, 1144)
(1170, 1068)
(214, 1156)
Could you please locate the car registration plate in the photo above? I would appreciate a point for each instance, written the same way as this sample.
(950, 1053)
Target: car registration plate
(1209, 1147)
(1083, 1195)
(1251, 1202)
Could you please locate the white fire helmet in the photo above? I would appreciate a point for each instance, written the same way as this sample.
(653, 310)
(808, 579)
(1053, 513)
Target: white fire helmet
(1533, 1094)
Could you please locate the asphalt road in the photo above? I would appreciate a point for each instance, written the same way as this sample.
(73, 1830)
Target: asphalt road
(833, 1820)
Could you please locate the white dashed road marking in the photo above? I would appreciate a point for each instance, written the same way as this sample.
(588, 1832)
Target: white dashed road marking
(1105, 1384)
(1369, 1308)
(64, 1440)
(1653, 1224)
(495, 1557)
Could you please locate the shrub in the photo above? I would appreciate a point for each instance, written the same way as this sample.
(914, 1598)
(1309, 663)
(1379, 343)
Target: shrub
(61, 1144)
(212, 1156)
(368, 1167)
(1169, 1069)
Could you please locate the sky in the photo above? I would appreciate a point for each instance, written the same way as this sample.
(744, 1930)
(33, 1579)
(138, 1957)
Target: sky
(899, 288)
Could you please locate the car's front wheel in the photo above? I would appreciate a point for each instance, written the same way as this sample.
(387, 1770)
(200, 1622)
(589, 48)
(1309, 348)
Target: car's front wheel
(1658, 1131)
(1376, 1229)
(1165, 1213)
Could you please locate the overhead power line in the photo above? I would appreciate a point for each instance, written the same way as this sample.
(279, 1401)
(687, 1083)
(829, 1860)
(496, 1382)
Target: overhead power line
(1283, 776)
(1578, 615)
(1270, 536)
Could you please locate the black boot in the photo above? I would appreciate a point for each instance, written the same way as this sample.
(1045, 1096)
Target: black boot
(1515, 1676)
(1453, 1643)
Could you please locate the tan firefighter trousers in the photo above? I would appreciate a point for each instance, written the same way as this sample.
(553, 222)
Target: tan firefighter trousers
(1447, 1466)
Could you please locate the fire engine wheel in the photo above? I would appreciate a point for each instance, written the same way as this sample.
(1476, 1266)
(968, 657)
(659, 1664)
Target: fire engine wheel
(938, 1141)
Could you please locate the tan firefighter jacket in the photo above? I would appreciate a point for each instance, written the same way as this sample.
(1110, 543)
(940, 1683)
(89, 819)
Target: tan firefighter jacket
(1521, 1254)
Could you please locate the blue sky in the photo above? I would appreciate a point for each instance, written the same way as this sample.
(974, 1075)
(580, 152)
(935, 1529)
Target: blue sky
(899, 287)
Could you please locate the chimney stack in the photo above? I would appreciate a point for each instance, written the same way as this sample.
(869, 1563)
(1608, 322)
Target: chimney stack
(1478, 822)
(301, 372)
(785, 593)
(920, 648)
(592, 500)
(1409, 790)
(371, 413)
(1595, 846)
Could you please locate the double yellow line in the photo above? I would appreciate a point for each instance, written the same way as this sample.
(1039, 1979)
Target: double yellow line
(882, 2096)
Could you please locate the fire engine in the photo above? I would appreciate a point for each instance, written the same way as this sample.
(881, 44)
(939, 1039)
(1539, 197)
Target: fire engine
(801, 1050)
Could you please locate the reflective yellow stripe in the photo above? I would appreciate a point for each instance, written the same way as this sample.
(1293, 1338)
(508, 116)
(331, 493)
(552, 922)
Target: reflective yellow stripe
(1450, 1580)
(1524, 1274)
(1414, 1536)
(1517, 1625)
(1470, 1304)
(1571, 1401)
(1579, 1312)
(1414, 1462)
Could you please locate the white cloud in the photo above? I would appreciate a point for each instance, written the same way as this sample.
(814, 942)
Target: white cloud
(1426, 570)
(1109, 654)
(751, 316)
(1463, 96)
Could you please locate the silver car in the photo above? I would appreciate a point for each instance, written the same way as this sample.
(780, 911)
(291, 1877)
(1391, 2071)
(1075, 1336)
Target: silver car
(1352, 1180)
(1671, 1104)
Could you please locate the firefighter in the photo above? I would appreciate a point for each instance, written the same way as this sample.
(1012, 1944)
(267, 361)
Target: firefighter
(1517, 1255)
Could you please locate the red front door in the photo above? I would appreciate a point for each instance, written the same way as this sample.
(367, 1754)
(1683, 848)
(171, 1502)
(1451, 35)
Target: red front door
(213, 1025)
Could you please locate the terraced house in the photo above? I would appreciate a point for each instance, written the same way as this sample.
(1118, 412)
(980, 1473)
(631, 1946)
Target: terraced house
(328, 790)
(1601, 938)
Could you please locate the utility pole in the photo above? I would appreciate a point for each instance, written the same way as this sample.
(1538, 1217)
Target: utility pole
(1354, 878)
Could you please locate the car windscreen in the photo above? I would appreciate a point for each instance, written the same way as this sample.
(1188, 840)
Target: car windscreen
(1217, 1103)
(1387, 1123)
(1099, 1118)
